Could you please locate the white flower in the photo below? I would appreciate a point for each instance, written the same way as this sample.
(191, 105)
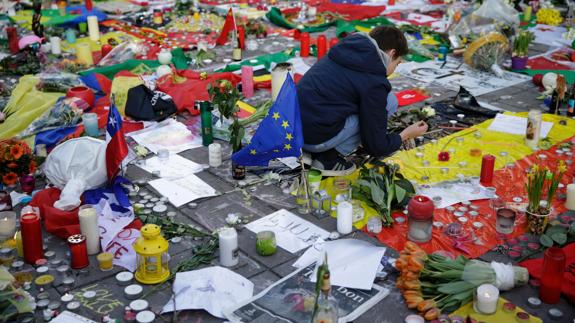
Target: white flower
(232, 219)
(429, 111)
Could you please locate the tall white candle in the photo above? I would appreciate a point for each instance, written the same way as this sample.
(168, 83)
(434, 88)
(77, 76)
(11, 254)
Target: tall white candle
(229, 252)
(7, 225)
(93, 28)
(487, 298)
(570, 203)
(215, 154)
(89, 228)
(279, 74)
(344, 217)
(55, 42)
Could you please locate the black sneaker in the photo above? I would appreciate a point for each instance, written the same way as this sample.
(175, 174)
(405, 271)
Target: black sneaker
(331, 163)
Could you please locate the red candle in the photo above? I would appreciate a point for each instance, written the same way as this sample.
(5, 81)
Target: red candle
(242, 37)
(390, 2)
(106, 48)
(333, 42)
(321, 46)
(420, 207)
(78, 251)
(552, 278)
(304, 45)
(12, 35)
(487, 168)
(89, 5)
(31, 235)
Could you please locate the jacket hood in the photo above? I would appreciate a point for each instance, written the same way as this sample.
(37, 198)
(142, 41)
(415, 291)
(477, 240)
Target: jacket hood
(359, 52)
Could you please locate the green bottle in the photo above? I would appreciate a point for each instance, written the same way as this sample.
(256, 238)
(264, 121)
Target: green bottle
(206, 115)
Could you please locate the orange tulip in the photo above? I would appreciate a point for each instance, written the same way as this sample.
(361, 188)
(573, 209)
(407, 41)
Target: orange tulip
(412, 247)
(399, 283)
(432, 314)
(409, 275)
(10, 179)
(426, 305)
(412, 284)
(400, 263)
(412, 302)
(414, 264)
(411, 293)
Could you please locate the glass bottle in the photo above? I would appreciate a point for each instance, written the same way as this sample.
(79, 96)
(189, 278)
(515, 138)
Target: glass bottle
(303, 199)
(326, 311)
(552, 277)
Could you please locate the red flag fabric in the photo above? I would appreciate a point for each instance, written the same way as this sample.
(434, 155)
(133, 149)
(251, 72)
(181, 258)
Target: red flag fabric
(408, 97)
(229, 25)
(116, 149)
(352, 11)
(535, 267)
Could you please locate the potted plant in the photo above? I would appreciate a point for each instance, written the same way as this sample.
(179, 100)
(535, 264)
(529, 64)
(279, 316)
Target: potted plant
(520, 49)
(541, 187)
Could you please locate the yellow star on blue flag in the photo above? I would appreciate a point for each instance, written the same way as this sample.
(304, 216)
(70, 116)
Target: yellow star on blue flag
(279, 134)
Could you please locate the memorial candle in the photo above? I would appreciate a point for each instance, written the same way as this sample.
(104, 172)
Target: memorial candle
(304, 45)
(570, 203)
(247, 81)
(89, 5)
(486, 300)
(78, 251)
(487, 169)
(321, 46)
(93, 28)
(89, 228)
(31, 235)
(84, 54)
(229, 253)
(7, 224)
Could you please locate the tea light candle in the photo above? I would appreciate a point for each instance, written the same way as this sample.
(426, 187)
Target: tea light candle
(570, 202)
(68, 282)
(7, 225)
(72, 306)
(105, 261)
(139, 305)
(215, 154)
(145, 317)
(344, 217)
(413, 318)
(534, 302)
(67, 298)
(133, 291)
(124, 278)
(93, 28)
(89, 228)
(266, 243)
(229, 252)
(487, 298)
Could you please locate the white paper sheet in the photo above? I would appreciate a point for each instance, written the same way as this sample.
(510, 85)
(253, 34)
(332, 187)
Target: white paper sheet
(183, 190)
(549, 35)
(352, 263)
(168, 134)
(454, 193)
(292, 232)
(212, 289)
(516, 125)
(69, 317)
(175, 167)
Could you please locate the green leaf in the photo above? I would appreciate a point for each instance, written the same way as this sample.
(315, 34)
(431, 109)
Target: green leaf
(546, 241)
(560, 238)
(377, 193)
(552, 229)
(400, 193)
(455, 287)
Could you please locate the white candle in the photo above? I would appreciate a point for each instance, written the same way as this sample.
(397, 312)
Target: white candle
(344, 217)
(89, 228)
(414, 319)
(93, 28)
(215, 154)
(487, 298)
(7, 225)
(570, 203)
(67, 298)
(279, 75)
(56, 45)
(229, 253)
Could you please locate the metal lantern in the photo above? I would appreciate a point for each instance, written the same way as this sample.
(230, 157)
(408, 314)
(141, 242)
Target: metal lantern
(152, 254)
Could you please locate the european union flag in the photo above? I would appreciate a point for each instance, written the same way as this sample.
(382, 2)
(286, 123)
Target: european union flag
(279, 134)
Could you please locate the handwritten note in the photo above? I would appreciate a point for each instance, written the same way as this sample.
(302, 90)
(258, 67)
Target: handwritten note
(168, 134)
(174, 167)
(516, 125)
(183, 190)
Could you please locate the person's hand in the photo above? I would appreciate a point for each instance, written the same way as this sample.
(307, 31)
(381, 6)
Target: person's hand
(413, 131)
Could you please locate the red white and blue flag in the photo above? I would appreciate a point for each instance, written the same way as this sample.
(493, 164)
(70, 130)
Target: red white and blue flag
(116, 147)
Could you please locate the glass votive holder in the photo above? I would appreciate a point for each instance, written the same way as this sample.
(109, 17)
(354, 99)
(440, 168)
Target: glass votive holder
(505, 220)
(490, 192)
(341, 190)
(485, 299)
(7, 225)
(374, 225)
(90, 122)
(437, 201)
(266, 243)
(105, 261)
(163, 155)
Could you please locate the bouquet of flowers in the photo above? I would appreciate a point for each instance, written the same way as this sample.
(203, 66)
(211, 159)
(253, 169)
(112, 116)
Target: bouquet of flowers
(432, 283)
(16, 159)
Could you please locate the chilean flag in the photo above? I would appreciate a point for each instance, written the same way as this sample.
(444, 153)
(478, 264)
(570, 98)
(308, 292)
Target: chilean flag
(116, 149)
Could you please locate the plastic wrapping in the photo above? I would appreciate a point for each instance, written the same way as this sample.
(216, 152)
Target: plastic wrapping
(66, 112)
(503, 276)
(121, 53)
(75, 166)
(57, 82)
(492, 15)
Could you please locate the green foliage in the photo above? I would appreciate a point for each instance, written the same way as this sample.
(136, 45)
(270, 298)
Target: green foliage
(521, 43)
(383, 188)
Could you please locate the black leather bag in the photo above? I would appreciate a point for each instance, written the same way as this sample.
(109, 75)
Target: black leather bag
(144, 104)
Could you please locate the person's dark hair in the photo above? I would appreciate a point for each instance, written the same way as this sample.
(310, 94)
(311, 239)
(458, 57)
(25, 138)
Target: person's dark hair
(388, 37)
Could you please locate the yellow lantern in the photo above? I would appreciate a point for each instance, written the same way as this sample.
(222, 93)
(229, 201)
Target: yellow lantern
(152, 254)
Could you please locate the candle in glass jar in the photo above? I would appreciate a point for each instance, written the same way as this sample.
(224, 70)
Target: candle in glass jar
(7, 224)
(505, 220)
(229, 252)
(93, 28)
(304, 45)
(89, 228)
(344, 217)
(570, 203)
(321, 46)
(105, 261)
(31, 235)
(215, 154)
(79, 254)
(247, 81)
(487, 298)
(487, 168)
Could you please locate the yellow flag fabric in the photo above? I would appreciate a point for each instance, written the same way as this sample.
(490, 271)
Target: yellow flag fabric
(27, 104)
(120, 87)
(119, 37)
(499, 316)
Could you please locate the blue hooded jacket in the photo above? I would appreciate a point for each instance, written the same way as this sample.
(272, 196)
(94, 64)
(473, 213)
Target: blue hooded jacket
(351, 79)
